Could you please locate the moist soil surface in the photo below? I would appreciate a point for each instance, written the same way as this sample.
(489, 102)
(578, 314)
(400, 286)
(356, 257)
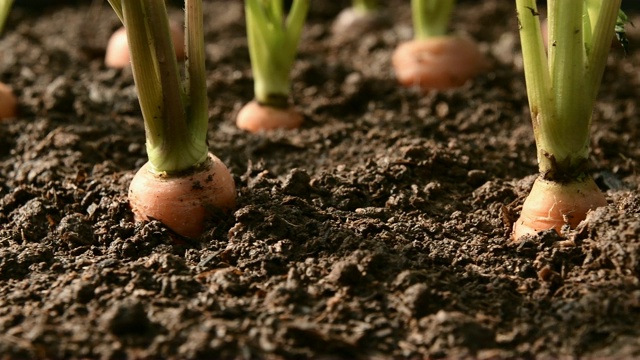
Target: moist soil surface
(380, 228)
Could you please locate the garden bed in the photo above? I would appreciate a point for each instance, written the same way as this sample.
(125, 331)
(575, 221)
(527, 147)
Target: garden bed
(379, 228)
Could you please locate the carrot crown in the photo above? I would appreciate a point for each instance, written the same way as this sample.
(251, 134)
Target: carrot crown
(431, 17)
(562, 86)
(273, 42)
(175, 114)
(5, 6)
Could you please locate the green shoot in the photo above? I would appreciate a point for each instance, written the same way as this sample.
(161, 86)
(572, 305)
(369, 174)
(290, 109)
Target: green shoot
(431, 17)
(562, 87)
(175, 117)
(273, 42)
(365, 6)
(5, 7)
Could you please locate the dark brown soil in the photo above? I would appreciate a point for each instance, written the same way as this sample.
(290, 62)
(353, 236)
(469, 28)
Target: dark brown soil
(378, 229)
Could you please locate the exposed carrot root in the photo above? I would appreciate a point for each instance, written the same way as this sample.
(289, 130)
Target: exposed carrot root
(8, 102)
(352, 23)
(437, 63)
(117, 54)
(552, 205)
(255, 117)
(183, 203)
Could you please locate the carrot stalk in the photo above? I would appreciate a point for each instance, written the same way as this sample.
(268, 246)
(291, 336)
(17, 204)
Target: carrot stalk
(182, 185)
(5, 7)
(365, 6)
(183, 203)
(562, 89)
(273, 42)
(431, 17)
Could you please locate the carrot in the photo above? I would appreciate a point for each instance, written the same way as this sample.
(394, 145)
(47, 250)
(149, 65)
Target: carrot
(562, 88)
(182, 184)
(433, 59)
(553, 205)
(8, 102)
(357, 20)
(273, 41)
(117, 53)
(437, 63)
(183, 203)
(255, 117)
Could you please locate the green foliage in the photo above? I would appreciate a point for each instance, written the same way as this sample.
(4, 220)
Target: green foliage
(175, 115)
(562, 86)
(5, 7)
(273, 43)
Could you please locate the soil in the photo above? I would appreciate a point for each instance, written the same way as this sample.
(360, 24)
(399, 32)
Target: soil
(378, 229)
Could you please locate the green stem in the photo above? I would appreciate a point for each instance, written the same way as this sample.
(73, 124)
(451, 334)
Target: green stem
(273, 43)
(556, 87)
(603, 32)
(431, 17)
(173, 143)
(144, 67)
(538, 80)
(365, 6)
(198, 103)
(5, 7)
(565, 139)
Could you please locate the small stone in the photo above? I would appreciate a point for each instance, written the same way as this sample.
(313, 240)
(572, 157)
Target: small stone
(416, 298)
(345, 273)
(127, 318)
(297, 184)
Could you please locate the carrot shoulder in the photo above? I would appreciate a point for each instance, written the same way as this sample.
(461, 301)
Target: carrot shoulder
(437, 63)
(255, 117)
(117, 54)
(185, 202)
(552, 205)
(352, 23)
